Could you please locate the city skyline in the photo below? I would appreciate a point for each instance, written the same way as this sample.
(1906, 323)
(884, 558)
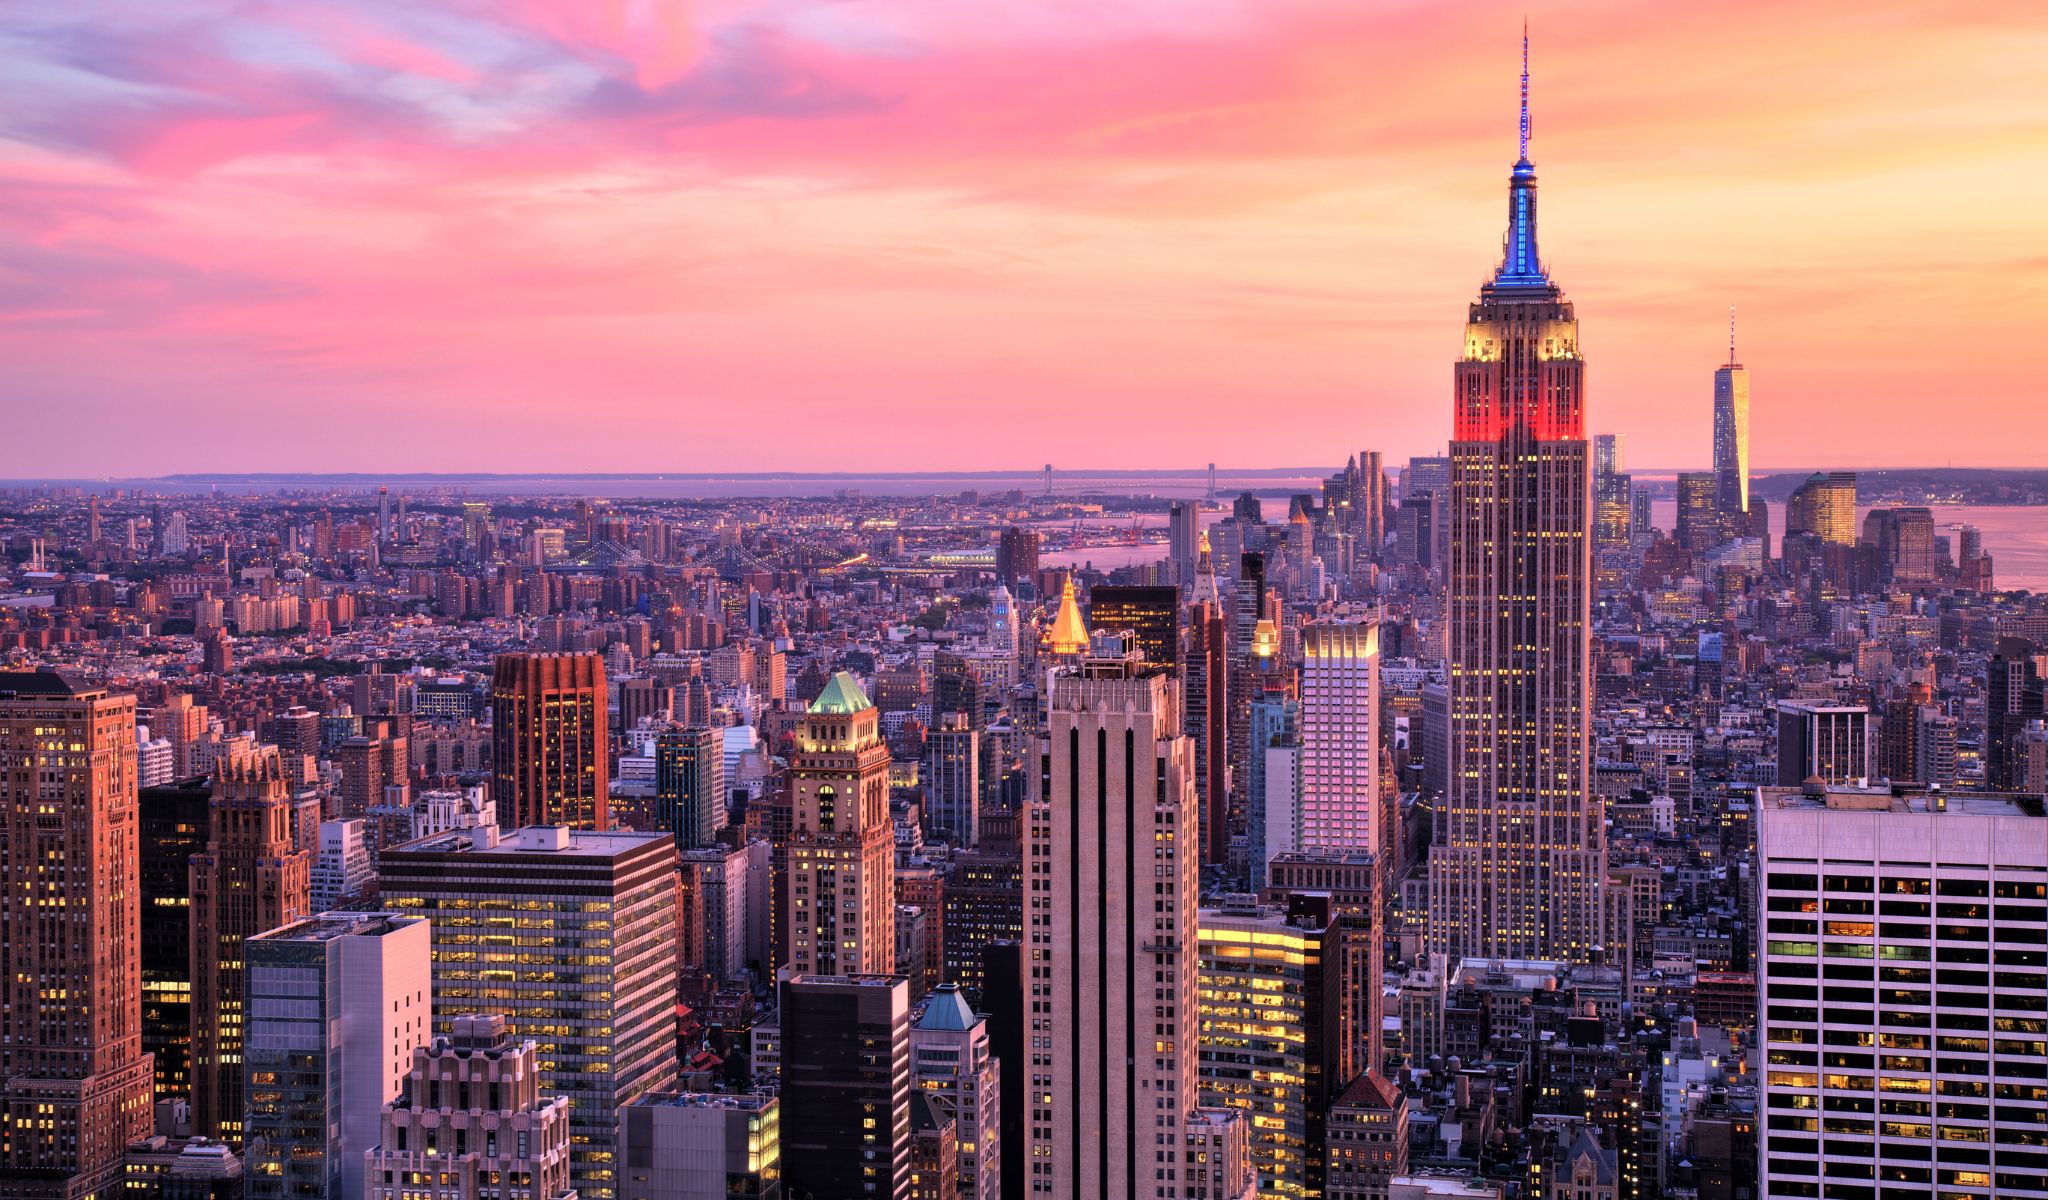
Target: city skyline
(472, 223)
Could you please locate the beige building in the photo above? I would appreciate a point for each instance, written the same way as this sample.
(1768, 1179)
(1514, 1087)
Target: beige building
(472, 1122)
(842, 848)
(74, 1081)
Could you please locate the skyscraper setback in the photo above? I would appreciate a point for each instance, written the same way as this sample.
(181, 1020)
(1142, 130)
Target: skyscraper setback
(1520, 849)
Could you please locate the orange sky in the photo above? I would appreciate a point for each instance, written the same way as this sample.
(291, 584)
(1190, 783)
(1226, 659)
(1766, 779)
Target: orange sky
(867, 235)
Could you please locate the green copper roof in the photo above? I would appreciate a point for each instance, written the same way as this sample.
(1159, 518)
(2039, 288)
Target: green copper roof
(842, 697)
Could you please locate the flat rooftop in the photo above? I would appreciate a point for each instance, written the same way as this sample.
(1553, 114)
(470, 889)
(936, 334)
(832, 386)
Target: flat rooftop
(1887, 799)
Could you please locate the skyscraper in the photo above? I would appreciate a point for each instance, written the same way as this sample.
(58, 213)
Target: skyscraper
(1184, 532)
(846, 1085)
(74, 1080)
(336, 1005)
(472, 1102)
(1206, 688)
(1340, 744)
(1731, 432)
(1151, 615)
(1017, 555)
(842, 851)
(1701, 522)
(1824, 506)
(550, 745)
(689, 784)
(1111, 957)
(1936, 1071)
(1520, 846)
(172, 828)
(592, 979)
(252, 878)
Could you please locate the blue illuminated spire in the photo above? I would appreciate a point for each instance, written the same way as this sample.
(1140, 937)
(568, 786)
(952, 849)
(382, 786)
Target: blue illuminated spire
(1520, 265)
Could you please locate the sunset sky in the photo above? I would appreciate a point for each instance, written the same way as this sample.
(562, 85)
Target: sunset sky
(960, 234)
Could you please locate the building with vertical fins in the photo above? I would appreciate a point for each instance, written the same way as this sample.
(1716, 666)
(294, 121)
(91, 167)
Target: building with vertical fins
(74, 1080)
(1111, 914)
(1731, 432)
(842, 850)
(1520, 848)
(550, 745)
(252, 878)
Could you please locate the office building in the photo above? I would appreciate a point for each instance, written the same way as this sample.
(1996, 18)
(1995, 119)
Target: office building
(1731, 433)
(1151, 615)
(1017, 556)
(689, 785)
(2015, 696)
(842, 850)
(253, 877)
(1340, 738)
(846, 1085)
(1831, 741)
(951, 773)
(952, 1067)
(1901, 986)
(550, 742)
(470, 1122)
(74, 1079)
(1701, 524)
(571, 934)
(1269, 1005)
(336, 1005)
(701, 1146)
(1520, 844)
(1206, 685)
(342, 870)
(1824, 506)
(171, 828)
(1111, 919)
(714, 889)
(1903, 541)
(1184, 533)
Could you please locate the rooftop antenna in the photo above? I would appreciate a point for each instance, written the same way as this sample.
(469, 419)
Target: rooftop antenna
(1731, 335)
(1525, 89)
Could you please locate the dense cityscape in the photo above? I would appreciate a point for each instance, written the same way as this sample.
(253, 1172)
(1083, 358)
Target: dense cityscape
(1480, 825)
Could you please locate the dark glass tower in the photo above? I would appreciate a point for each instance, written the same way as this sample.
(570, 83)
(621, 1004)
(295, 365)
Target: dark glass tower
(1519, 851)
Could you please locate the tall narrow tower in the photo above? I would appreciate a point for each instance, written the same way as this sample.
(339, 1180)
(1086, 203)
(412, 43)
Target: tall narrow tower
(1519, 851)
(842, 853)
(1731, 432)
(74, 1079)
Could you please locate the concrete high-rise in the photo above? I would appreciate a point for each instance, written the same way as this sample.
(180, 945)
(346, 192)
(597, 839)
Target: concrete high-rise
(1731, 433)
(336, 1005)
(1900, 984)
(842, 851)
(74, 1080)
(592, 979)
(1520, 844)
(1110, 961)
(550, 745)
(1831, 741)
(1340, 743)
(252, 878)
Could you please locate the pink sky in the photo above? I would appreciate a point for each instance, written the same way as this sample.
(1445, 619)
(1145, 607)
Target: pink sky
(927, 234)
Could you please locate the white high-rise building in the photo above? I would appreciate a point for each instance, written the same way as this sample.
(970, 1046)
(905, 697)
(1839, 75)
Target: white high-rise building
(954, 1067)
(1340, 742)
(336, 1006)
(1002, 623)
(343, 868)
(1902, 991)
(156, 760)
(1112, 850)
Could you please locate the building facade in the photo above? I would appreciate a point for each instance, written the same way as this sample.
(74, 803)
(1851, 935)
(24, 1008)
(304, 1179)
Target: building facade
(550, 740)
(1520, 845)
(571, 934)
(842, 851)
(74, 1079)
(846, 1085)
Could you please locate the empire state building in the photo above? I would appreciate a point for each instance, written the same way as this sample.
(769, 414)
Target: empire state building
(1520, 850)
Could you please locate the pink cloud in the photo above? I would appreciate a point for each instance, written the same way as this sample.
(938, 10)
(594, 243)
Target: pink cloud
(799, 234)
